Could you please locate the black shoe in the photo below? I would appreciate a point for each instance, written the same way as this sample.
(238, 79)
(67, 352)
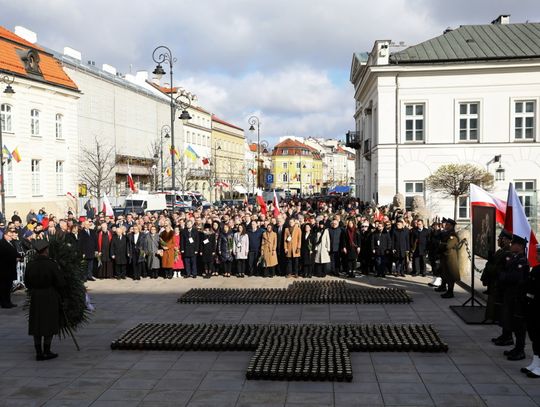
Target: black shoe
(91, 279)
(447, 294)
(533, 375)
(510, 352)
(193, 276)
(503, 341)
(441, 289)
(46, 356)
(519, 355)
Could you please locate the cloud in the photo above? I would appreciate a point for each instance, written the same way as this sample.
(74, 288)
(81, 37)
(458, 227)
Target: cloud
(278, 58)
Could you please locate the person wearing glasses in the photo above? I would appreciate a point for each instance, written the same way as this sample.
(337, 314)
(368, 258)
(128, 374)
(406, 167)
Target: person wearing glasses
(8, 273)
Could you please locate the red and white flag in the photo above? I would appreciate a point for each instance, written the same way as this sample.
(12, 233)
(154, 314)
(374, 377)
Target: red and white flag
(275, 203)
(516, 223)
(106, 208)
(261, 203)
(480, 197)
(130, 181)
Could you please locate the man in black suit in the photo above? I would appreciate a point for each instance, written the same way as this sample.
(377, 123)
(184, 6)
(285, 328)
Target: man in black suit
(8, 269)
(419, 246)
(120, 253)
(89, 248)
(135, 244)
(189, 246)
(282, 261)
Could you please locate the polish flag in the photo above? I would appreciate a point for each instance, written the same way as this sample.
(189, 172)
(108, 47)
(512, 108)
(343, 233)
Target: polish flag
(261, 203)
(516, 223)
(480, 197)
(276, 205)
(130, 181)
(106, 208)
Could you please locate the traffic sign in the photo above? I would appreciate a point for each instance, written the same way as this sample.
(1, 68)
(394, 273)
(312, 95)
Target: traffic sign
(269, 178)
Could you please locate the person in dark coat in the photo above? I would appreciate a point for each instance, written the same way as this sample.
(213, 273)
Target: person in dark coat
(434, 255)
(336, 245)
(189, 246)
(8, 272)
(307, 250)
(381, 245)
(448, 249)
(532, 311)
(514, 279)
(44, 279)
(225, 248)
(351, 247)
(120, 253)
(88, 248)
(280, 248)
(255, 240)
(419, 248)
(366, 265)
(400, 247)
(207, 250)
(104, 239)
(136, 247)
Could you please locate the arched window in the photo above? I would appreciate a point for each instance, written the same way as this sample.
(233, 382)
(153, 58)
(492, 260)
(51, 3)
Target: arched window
(59, 118)
(34, 122)
(5, 118)
(285, 177)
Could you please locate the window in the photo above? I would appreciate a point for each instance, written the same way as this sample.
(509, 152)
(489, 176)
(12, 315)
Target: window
(5, 118)
(285, 152)
(285, 166)
(468, 121)
(414, 122)
(34, 122)
(59, 178)
(412, 188)
(285, 177)
(298, 164)
(59, 118)
(526, 190)
(36, 177)
(463, 207)
(8, 176)
(524, 119)
(188, 137)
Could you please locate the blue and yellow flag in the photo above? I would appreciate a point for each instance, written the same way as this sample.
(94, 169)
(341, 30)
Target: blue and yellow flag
(191, 154)
(6, 153)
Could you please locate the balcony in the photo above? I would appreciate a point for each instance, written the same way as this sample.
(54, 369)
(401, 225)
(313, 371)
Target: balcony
(352, 139)
(198, 173)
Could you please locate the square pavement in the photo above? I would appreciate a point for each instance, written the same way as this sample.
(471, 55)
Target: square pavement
(472, 373)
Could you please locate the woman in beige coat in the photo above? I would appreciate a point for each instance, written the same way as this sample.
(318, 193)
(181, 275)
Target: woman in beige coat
(292, 246)
(268, 251)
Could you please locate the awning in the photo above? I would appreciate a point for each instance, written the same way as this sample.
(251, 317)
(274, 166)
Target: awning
(240, 189)
(340, 189)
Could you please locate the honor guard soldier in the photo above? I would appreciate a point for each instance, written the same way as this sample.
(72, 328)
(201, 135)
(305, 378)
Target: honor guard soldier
(44, 279)
(514, 280)
(449, 266)
(532, 317)
(490, 279)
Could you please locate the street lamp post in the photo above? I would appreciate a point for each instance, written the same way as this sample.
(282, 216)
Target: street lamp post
(160, 55)
(165, 133)
(8, 91)
(254, 120)
(216, 147)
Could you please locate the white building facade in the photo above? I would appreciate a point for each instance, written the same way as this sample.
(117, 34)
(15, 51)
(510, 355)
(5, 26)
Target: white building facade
(458, 98)
(39, 121)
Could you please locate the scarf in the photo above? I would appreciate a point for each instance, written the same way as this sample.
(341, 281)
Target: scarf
(100, 237)
(351, 232)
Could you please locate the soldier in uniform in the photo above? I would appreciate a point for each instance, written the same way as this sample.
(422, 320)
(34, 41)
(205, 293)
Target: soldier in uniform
(43, 279)
(449, 266)
(514, 279)
(490, 278)
(531, 315)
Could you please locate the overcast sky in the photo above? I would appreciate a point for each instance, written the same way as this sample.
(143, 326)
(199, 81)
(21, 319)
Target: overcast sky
(285, 61)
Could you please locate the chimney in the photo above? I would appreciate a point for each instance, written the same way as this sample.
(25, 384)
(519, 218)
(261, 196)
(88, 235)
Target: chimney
(72, 53)
(502, 19)
(381, 52)
(26, 34)
(142, 76)
(109, 69)
(448, 29)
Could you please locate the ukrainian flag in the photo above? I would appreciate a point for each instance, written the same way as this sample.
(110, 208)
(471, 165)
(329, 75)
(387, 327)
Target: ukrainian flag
(191, 154)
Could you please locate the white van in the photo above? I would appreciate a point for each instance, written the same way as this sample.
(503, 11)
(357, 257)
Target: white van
(142, 202)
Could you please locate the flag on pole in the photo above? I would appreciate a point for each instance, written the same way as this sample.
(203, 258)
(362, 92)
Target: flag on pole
(191, 154)
(480, 197)
(107, 207)
(205, 161)
(261, 203)
(516, 223)
(6, 153)
(130, 181)
(16, 155)
(276, 205)
(168, 171)
(174, 151)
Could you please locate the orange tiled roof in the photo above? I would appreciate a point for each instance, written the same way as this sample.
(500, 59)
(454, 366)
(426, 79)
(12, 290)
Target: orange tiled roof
(10, 61)
(294, 147)
(217, 119)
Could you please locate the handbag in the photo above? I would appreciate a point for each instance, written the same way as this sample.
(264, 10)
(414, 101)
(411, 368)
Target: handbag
(261, 262)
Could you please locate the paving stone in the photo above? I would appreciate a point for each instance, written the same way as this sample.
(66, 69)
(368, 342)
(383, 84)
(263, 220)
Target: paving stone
(509, 401)
(310, 398)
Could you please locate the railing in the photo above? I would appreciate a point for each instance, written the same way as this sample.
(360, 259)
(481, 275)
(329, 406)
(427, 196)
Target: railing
(352, 139)
(198, 173)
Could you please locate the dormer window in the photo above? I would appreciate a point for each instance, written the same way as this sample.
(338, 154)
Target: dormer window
(31, 62)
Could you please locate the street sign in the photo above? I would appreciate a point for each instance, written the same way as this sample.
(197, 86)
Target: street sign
(269, 178)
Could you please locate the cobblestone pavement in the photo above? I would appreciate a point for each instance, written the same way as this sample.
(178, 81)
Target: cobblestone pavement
(473, 373)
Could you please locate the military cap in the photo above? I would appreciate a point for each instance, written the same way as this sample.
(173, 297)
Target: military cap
(40, 245)
(519, 240)
(505, 234)
(449, 220)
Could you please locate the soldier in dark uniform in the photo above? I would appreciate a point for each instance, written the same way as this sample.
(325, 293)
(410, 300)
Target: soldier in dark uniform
(43, 279)
(514, 279)
(9, 256)
(532, 317)
(449, 267)
(490, 278)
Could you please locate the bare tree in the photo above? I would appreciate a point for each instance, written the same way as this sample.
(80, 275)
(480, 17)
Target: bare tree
(453, 180)
(97, 168)
(182, 173)
(234, 174)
